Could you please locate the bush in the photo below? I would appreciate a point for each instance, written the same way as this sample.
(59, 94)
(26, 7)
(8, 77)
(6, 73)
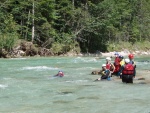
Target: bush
(7, 41)
(129, 46)
(63, 48)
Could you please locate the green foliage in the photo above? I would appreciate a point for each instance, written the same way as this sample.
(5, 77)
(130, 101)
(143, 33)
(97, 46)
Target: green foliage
(64, 25)
(8, 32)
(137, 46)
(7, 41)
(64, 47)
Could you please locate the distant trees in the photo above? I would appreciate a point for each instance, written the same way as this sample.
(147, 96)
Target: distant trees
(64, 25)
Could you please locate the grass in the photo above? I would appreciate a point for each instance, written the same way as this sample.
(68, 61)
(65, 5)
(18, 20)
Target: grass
(138, 46)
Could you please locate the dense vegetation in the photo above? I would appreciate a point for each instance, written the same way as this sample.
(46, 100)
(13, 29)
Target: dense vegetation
(65, 25)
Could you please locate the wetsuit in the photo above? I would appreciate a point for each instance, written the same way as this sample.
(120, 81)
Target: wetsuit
(106, 74)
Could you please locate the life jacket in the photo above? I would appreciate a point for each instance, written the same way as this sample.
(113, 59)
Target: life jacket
(109, 66)
(117, 61)
(61, 74)
(122, 62)
(128, 69)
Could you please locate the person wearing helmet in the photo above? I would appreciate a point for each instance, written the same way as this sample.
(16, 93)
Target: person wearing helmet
(109, 65)
(131, 57)
(127, 72)
(122, 62)
(105, 73)
(116, 63)
(60, 74)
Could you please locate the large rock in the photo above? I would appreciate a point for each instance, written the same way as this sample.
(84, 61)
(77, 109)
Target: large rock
(95, 72)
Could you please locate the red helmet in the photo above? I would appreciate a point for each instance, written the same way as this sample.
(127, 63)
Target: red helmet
(131, 56)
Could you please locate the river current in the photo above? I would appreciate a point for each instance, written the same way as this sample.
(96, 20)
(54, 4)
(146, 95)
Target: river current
(27, 85)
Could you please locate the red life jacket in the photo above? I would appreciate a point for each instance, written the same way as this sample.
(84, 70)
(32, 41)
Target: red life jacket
(117, 61)
(61, 75)
(128, 69)
(109, 66)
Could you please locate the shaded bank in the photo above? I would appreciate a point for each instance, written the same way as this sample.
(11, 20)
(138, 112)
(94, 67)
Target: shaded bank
(28, 49)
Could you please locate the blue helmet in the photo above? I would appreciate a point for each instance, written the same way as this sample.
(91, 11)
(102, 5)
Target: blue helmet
(120, 56)
(116, 53)
(60, 71)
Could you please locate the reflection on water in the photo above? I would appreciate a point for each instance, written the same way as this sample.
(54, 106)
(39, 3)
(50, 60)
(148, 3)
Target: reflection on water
(27, 86)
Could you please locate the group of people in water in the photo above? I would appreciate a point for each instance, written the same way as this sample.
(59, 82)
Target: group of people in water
(123, 68)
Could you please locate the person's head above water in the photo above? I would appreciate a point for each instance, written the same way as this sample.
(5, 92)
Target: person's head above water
(121, 57)
(108, 59)
(131, 56)
(116, 54)
(60, 72)
(127, 60)
(103, 66)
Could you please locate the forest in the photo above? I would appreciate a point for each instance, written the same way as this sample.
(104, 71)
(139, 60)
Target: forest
(60, 26)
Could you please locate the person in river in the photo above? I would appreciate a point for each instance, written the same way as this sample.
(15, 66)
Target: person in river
(59, 74)
(131, 57)
(105, 73)
(127, 72)
(109, 65)
(116, 63)
(122, 62)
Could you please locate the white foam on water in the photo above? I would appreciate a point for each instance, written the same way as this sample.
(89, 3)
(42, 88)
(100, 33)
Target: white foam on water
(79, 59)
(3, 86)
(7, 78)
(18, 58)
(39, 68)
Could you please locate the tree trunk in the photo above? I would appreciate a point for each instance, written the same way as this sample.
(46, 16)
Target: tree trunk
(27, 26)
(73, 4)
(33, 29)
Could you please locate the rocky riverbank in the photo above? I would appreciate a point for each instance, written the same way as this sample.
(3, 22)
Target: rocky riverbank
(27, 49)
(126, 53)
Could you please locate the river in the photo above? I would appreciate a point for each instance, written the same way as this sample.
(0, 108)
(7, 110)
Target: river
(27, 85)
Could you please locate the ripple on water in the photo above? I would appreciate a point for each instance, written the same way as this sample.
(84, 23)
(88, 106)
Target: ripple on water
(66, 92)
(80, 59)
(77, 81)
(92, 97)
(61, 101)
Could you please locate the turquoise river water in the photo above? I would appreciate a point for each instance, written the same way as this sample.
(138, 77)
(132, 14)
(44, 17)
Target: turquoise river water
(27, 85)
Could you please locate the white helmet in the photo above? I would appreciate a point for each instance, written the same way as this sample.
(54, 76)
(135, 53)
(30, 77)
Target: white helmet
(108, 58)
(103, 65)
(127, 60)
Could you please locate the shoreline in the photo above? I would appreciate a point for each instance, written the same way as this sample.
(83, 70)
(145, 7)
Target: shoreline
(125, 53)
(110, 54)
